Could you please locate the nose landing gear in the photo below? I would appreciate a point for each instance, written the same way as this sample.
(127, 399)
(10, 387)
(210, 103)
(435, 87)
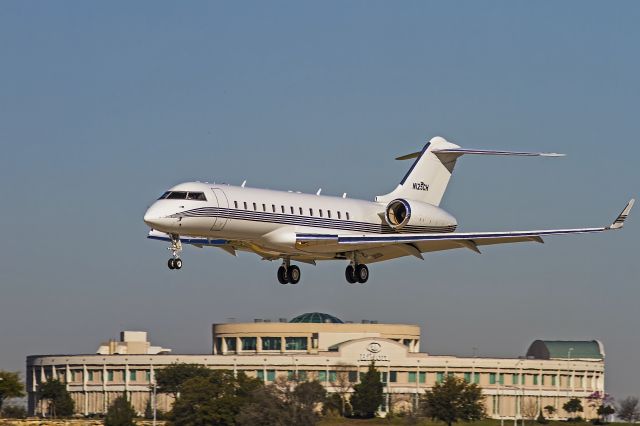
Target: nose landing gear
(288, 274)
(176, 247)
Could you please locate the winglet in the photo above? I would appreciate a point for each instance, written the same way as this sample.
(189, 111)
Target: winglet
(619, 222)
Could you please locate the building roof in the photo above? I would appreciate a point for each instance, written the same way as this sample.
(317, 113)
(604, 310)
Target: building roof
(317, 317)
(566, 349)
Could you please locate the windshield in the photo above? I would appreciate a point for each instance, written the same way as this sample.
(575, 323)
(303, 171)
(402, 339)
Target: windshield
(183, 195)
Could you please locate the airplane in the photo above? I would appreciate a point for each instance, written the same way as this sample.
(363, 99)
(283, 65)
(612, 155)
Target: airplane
(295, 227)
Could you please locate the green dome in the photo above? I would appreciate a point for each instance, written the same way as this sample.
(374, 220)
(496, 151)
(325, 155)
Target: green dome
(317, 317)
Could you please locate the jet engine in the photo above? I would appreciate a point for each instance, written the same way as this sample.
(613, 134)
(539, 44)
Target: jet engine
(401, 213)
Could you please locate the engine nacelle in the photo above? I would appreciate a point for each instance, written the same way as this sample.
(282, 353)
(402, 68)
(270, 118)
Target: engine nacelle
(401, 213)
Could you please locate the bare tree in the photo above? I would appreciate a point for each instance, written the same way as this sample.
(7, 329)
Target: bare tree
(530, 408)
(342, 384)
(628, 409)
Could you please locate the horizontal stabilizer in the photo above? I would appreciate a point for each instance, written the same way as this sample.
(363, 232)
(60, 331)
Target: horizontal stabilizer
(462, 151)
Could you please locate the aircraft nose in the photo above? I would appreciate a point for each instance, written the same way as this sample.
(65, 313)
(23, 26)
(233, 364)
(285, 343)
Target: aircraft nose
(153, 216)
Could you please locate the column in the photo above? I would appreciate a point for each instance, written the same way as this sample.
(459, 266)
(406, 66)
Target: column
(258, 344)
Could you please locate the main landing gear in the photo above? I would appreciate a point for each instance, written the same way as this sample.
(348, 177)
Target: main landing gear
(356, 273)
(176, 247)
(288, 274)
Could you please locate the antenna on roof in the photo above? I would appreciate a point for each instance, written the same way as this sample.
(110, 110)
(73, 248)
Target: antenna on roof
(319, 191)
(244, 182)
(344, 195)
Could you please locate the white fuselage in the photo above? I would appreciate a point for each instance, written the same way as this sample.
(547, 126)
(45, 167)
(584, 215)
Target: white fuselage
(269, 220)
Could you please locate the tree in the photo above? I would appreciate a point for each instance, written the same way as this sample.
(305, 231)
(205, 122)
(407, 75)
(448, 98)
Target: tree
(170, 379)
(605, 411)
(343, 386)
(284, 405)
(453, 400)
(214, 399)
(10, 386)
(550, 409)
(148, 410)
(14, 412)
(628, 409)
(573, 406)
(60, 402)
(120, 413)
(367, 395)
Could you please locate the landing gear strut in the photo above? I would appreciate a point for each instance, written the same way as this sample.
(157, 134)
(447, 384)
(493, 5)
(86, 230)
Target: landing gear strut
(176, 247)
(288, 274)
(356, 273)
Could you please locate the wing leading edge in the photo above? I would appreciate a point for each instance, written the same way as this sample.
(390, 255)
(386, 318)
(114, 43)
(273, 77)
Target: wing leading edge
(435, 242)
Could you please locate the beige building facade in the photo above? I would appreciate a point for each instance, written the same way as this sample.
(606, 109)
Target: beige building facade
(320, 347)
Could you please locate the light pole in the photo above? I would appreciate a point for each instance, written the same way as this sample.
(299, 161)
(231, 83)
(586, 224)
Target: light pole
(569, 375)
(155, 402)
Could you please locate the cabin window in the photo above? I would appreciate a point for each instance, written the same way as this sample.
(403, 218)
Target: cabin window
(348, 216)
(254, 207)
(329, 214)
(273, 207)
(311, 212)
(301, 211)
(245, 205)
(235, 204)
(282, 209)
(291, 207)
(339, 215)
(320, 212)
(264, 207)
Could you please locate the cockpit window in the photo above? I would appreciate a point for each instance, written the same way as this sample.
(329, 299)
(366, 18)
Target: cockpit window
(196, 196)
(182, 195)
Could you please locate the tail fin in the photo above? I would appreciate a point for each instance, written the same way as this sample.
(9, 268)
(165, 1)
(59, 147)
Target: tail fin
(428, 177)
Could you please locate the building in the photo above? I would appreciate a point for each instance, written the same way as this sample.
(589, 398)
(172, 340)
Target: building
(321, 347)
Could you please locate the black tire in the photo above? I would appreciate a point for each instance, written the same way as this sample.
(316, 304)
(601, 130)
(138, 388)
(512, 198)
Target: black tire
(170, 264)
(349, 274)
(177, 263)
(282, 275)
(293, 274)
(362, 273)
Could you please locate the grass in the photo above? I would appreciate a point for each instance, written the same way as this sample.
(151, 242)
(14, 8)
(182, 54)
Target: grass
(338, 421)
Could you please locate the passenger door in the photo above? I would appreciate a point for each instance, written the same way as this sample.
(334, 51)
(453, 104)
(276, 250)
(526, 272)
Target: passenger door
(220, 219)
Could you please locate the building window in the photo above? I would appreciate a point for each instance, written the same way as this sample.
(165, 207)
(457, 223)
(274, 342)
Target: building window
(543, 380)
(411, 377)
(110, 375)
(231, 344)
(501, 378)
(514, 379)
(333, 376)
(296, 343)
(535, 379)
(422, 377)
(467, 377)
(147, 375)
(271, 344)
(133, 375)
(260, 374)
(492, 378)
(219, 345)
(353, 376)
(393, 376)
(406, 342)
(90, 376)
(322, 376)
(291, 375)
(271, 375)
(439, 376)
(553, 380)
(476, 378)
(248, 343)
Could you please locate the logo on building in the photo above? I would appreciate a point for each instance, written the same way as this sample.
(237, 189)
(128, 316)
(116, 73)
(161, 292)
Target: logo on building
(374, 347)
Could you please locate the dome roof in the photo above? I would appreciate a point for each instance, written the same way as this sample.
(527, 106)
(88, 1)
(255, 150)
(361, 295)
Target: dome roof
(317, 317)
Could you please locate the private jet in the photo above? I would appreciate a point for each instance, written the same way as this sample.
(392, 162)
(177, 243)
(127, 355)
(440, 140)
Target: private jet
(306, 228)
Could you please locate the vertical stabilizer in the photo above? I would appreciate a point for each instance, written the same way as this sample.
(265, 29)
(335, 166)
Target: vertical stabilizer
(428, 177)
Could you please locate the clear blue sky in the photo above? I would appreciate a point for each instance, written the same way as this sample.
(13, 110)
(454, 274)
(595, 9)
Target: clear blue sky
(105, 105)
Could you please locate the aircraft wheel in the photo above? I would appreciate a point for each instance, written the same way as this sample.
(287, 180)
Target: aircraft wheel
(282, 275)
(349, 274)
(293, 274)
(177, 263)
(170, 264)
(362, 273)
